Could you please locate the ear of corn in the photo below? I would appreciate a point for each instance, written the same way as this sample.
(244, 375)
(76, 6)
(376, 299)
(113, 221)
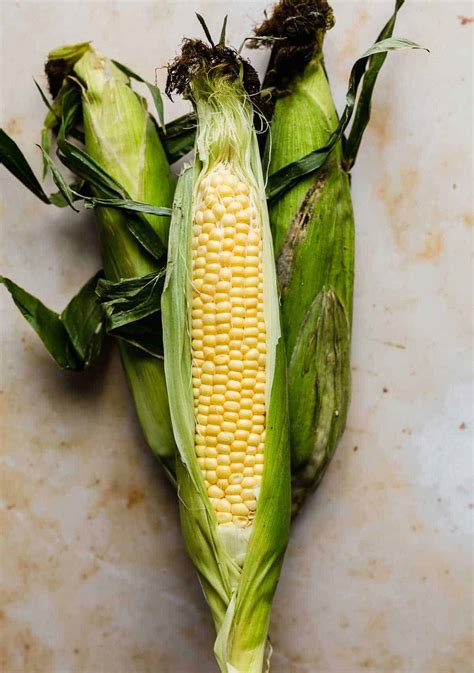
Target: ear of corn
(313, 229)
(122, 137)
(225, 365)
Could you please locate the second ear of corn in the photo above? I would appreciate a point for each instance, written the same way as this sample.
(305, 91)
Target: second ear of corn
(122, 137)
(224, 362)
(313, 230)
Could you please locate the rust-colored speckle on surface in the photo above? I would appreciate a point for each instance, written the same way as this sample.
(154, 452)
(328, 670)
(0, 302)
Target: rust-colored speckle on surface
(350, 49)
(399, 201)
(462, 426)
(385, 389)
(465, 20)
(134, 497)
(356, 448)
(433, 247)
(13, 126)
(380, 124)
(468, 219)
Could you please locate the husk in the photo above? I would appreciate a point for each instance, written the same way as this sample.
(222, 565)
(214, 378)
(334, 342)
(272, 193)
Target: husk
(122, 137)
(238, 573)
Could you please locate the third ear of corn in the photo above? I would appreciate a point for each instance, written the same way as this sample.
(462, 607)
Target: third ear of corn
(313, 229)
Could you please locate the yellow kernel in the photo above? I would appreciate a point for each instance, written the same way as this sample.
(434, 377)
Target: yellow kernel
(219, 210)
(229, 220)
(213, 430)
(228, 427)
(233, 489)
(258, 469)
(234, 385)
(251, 505)
(223, 458)
(244, 424)
(209, 216)
(240, 521)
(234, 499)
(232, 396)
(231, 416)
(242, 228)
(235, 479)
(211, 464)
(247, 494)
(223, 505)
(223, 517)
(223, 450)
(239, 509)
(210, 475)
(224, 437)
(223, 471)
(215, 492)
(230, 405)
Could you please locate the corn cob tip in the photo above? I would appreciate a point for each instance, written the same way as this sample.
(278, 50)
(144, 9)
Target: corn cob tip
(299, 27)
(60, 64)
(198, 60)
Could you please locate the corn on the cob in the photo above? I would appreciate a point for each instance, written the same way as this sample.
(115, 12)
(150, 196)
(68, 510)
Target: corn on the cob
(313, 230)
(224, 360)
(122, 137)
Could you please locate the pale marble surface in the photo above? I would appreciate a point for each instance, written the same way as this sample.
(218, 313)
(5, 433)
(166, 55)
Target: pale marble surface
(377, 578)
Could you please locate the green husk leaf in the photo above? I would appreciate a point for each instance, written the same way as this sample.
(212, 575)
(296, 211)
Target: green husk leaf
(73, 338)
(319, 374)
(83, 319)
(14, 161)
(46, 149)
(286, 177)
(205, 29)
(131, 299)
(77, 189)
(83, 165)
(64, 189)
(362, 112)
(126, 204)
(179, 138)
(152, 88)
(145, 334)
(223, 32)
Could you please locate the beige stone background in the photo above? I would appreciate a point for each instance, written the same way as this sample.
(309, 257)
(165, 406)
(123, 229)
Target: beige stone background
(379, 569)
